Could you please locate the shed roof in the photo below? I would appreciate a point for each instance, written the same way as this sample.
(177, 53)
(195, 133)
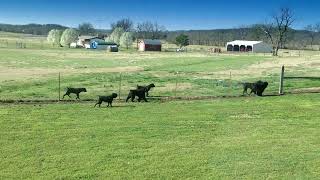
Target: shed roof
(243, 42)
(151, 41)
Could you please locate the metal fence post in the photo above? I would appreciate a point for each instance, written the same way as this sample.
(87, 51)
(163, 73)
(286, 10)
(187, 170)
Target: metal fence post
(120, 85)
(59, 85)
(230, 84)
(281, 81)
(175, 90)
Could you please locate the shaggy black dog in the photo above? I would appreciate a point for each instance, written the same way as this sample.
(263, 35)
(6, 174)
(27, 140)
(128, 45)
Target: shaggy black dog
(107, 99)
(76, 91)
(256, 87)
(259, 87)
(247, 86)
(147, 88)
(141, 93)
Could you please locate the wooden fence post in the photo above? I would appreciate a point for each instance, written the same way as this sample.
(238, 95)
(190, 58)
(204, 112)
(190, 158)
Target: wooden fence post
(281, 81)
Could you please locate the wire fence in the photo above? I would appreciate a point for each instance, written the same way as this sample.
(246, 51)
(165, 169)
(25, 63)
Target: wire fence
(168, 85)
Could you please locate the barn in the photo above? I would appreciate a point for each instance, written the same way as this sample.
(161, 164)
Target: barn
(86, 41)
(248, 46)
(149, 45)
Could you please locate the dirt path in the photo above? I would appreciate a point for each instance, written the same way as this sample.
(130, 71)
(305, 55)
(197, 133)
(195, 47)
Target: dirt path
(24, 73)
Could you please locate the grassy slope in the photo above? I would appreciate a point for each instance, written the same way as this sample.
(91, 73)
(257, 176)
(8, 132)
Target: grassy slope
(255, 138)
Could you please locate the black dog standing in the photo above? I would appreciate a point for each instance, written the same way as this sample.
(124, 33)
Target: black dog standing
(247, 86)
(107, 99)
(76, 91)
(259, 87)
(141, 93)
(147, 88)
(256, 87)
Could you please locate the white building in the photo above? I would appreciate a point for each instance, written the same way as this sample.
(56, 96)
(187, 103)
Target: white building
(86, 41)
(248, 46)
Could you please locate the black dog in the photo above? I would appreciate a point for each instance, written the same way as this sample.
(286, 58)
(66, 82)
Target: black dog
(147, 88)
(141, 93)
(256, 87)
(259, 87)
(76, 91)
(247, 86)
(107, 99)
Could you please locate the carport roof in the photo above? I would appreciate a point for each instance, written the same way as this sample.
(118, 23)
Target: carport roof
(243, 42)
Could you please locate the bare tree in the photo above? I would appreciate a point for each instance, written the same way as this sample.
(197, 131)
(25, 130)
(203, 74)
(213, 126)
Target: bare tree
(311, 32)
(126, 24)
(149, 30)
(86, 29)
(243, 32)
(279, 27)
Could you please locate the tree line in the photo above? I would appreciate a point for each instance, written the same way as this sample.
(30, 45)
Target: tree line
(277, 31)
(35, 29)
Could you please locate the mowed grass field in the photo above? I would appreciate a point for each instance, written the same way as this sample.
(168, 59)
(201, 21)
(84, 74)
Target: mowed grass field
(274, 137)
(239, 138)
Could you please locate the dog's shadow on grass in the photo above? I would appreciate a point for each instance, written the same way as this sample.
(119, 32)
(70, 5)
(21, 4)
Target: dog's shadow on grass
(125, 106)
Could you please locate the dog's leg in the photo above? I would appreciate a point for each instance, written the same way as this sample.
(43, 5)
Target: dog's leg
(128, 98)
(244, 91)
(66, 94)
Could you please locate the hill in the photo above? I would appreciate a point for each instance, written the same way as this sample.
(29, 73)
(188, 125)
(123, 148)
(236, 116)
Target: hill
(35, 29)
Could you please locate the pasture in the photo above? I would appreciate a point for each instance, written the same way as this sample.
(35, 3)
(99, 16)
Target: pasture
(241, 137)
(33, 73)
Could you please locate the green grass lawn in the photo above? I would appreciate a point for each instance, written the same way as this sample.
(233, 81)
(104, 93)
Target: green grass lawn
(242, 138)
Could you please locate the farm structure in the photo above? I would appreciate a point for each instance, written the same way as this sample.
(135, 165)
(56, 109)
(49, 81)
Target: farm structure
(248, 46)
(149, 45)
(86, 41)
(101, 45)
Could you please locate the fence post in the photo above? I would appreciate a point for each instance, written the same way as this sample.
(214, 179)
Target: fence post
(120, 85)
(59, 79)
(230, 84)
(281, 81)
(175, 90)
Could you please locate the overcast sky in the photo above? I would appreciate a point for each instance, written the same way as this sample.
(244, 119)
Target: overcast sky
(173, 14)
